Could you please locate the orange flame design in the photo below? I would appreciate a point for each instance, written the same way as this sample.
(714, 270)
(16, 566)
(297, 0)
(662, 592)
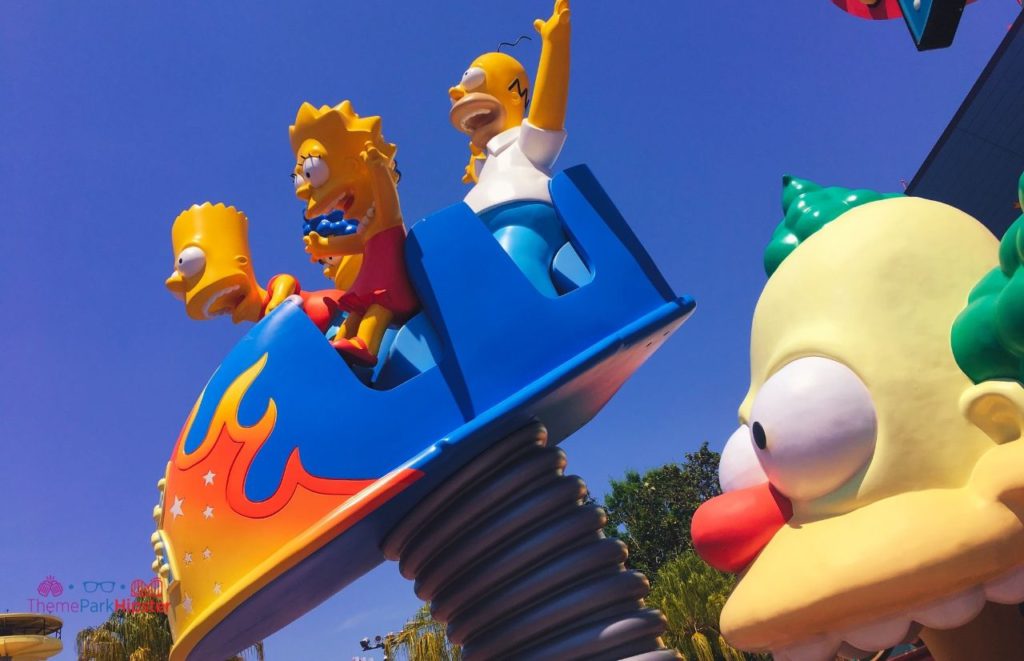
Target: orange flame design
(225, 429)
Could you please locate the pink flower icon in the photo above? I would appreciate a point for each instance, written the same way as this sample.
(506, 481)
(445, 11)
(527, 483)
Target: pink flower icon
(50, 587)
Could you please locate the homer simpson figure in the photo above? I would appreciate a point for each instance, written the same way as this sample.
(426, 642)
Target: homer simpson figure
(512, 152)
(342, 162)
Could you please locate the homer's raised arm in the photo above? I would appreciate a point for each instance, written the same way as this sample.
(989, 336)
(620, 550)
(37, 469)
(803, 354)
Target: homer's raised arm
(551, 93)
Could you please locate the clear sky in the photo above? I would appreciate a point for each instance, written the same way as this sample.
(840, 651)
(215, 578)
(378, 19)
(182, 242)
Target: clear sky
(112, 120)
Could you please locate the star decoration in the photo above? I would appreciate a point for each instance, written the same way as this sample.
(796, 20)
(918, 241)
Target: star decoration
(208, 478)
(176, 507)
(216, 588)
(208, 512)
(207, 553)
(188, 557)
(186, 603)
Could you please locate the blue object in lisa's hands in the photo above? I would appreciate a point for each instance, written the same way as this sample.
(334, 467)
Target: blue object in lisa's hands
(331, 224)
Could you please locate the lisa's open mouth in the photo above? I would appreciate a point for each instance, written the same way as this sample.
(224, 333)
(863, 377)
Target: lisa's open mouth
(476, 111)
(319, 206)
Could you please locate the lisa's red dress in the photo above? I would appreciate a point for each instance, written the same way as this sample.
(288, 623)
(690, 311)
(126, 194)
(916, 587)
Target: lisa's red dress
(382, 279)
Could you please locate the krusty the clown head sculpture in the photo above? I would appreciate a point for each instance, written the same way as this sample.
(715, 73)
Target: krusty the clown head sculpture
(874, 490)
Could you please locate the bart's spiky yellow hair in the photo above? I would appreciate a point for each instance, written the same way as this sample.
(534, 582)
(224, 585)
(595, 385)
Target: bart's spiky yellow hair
(311, 122)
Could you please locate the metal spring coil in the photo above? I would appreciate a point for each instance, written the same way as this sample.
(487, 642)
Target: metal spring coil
(518, 568)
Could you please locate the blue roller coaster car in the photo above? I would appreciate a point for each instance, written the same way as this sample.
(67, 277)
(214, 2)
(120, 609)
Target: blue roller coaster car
(487, 355)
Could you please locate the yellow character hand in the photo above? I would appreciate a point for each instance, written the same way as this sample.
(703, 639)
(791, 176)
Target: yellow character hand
(372, 156)
(469, 173)
(284, 286)
(556, 28)
(316, 246)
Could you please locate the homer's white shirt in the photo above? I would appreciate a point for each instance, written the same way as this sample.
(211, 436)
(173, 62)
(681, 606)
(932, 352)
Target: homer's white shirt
(518, 167)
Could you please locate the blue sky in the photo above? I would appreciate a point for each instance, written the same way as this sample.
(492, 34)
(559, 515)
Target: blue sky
(116, 119)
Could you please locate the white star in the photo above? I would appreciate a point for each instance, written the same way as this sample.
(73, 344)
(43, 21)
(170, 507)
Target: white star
(176, 507)
(186, 603)
(208, 478)
(188, 557)
(208, 512)
(207, 553)
(216, 588)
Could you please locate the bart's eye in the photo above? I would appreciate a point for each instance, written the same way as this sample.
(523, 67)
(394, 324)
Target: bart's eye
(813, 427)
(298, 180)
(190, 261)
(473, 78)
(315, 171)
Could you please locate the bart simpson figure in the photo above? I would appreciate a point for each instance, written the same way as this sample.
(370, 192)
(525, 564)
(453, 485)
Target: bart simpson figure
(342, 162)
(511, 152)
(213, 271)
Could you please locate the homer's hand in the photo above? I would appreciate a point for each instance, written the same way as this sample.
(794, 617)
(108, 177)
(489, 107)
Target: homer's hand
(556, 28)
(469, 174)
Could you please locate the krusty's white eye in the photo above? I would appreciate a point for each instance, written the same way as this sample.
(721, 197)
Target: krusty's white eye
(472, 79)
(739, 467)
(315, 171)
(190, 261)
(814, 426)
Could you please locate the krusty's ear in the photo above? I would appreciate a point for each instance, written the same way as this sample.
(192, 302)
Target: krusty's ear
(995, 407)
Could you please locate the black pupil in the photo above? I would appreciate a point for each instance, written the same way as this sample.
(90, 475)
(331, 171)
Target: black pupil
(760, 439)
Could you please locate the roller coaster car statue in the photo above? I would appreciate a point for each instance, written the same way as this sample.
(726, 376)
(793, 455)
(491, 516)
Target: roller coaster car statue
(341, 409)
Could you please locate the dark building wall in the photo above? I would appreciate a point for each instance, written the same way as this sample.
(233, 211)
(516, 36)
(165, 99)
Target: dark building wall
(976, 163)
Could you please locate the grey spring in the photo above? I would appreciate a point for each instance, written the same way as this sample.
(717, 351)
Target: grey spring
(518, 568)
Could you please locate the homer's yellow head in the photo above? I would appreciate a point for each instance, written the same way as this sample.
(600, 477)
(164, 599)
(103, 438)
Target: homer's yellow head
(872, 487)
(491, 97)
(212, 265)
(329, 172)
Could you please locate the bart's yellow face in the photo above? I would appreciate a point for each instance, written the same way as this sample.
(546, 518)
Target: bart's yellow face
(490, 98)
(212, 266)
(330, 175)
(901, 480)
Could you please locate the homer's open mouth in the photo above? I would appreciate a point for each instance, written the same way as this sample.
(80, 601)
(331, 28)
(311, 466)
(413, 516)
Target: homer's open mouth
(476, 111)
(223, 301)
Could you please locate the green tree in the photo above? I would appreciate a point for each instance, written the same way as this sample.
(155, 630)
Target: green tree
(421, 639)
(691, 595)
(137, 635)
(651, 513)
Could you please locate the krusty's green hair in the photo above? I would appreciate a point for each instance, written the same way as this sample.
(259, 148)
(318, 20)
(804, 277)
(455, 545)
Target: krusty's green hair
(808, 207)
(988, 336)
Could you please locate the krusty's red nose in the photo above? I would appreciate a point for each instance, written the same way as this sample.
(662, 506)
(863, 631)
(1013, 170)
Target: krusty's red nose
(730, 530)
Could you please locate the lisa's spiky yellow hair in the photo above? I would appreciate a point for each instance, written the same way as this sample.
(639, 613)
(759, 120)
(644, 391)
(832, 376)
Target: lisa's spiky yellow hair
(312, 122)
